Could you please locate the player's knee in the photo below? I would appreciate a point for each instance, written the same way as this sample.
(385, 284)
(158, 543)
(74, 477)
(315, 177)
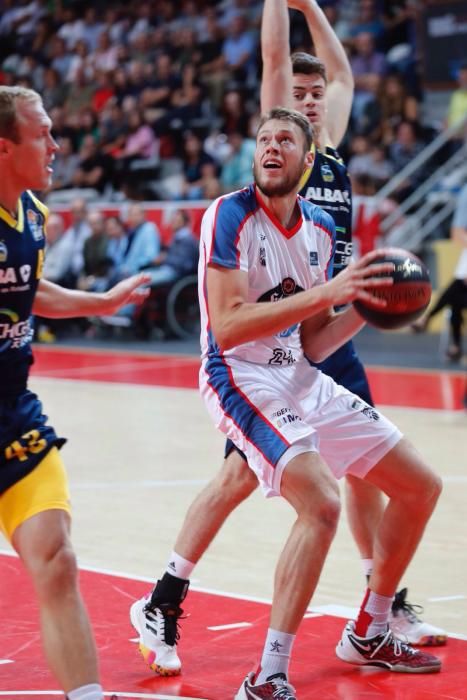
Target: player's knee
(323, 512)
(57, 573)
(328, 513)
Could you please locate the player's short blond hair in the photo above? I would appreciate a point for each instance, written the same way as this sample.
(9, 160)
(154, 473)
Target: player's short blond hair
(9, 98)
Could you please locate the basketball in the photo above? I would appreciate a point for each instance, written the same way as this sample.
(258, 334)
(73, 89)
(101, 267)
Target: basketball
(406, 299)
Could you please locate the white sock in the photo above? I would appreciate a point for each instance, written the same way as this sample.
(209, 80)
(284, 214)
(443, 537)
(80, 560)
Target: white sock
(367, 565)
(179, 567)
(378, 607)
(87, 692)
(276, 655)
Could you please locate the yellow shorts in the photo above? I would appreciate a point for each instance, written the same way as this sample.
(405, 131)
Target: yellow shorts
(45, 488)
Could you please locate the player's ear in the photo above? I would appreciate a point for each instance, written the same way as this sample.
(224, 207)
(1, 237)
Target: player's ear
(309, 160)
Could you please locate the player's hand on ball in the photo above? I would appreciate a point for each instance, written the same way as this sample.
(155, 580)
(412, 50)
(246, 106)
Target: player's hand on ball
(354, 281)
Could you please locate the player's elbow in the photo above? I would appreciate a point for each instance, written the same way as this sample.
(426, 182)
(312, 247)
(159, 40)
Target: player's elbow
(316, 354)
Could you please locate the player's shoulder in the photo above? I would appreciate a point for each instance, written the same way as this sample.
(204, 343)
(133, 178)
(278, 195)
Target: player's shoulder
(30, 198)
(317, 215)
(234, 208)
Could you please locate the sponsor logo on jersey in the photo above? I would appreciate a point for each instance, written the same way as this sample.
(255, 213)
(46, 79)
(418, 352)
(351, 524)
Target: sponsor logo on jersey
(364, 408)
(35, 221)
(326, 173)
(13, 332)
(286, 288)
(284, 416)
(313, 257)
(9, 276)
(262, 257)
(328, 195)
(3, 252)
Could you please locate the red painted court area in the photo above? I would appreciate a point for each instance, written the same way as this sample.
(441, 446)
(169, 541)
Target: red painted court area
(221, 640)
(390, 387)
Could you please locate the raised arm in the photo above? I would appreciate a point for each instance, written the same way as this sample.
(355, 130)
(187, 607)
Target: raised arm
(276, 86)
(340, 80)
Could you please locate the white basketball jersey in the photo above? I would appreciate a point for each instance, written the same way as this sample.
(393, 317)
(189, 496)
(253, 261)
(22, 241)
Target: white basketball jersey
(238, 232)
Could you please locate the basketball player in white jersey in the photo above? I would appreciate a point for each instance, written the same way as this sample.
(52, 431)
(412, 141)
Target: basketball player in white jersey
(267, 297)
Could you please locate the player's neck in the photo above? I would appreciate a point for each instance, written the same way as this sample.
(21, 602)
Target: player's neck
(284, 208)
(9, 196)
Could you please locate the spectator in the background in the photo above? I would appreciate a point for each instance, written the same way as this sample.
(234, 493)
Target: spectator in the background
(112, 129)
(236, 60)
(60, 59)
(455, 294)
(64, 165)
(143, 243)
(118, 240)
(140, 144)
(368, 68)
(368, 22)
(91, 28)
(181, 257)
(58, 251)
(194, 159)
(157, 92)
(74, 239)
(233, 113)
(80, 92)
(54, 90)
(236, 171)
(97, 262)
(402, 151)
(104, 90)
(105, 56)
(458, 103)
(95, 169)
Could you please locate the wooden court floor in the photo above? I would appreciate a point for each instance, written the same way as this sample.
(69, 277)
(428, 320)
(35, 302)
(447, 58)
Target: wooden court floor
(140, 448)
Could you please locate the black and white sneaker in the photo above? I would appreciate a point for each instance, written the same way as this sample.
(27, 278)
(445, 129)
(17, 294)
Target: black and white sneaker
(157, 628)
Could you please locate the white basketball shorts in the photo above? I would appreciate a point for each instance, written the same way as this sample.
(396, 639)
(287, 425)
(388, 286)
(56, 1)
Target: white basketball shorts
(273, 414)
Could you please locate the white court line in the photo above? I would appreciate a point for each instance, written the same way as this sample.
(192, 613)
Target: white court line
(124, 485)
(48, 693)
(443, 598)
(6, 661)
(341, 611)
(232, 626)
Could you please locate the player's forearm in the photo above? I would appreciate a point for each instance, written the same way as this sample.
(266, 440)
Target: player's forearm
(327, 46)
(276, 85)
(246, 322)
(323, 342)
(53, 301)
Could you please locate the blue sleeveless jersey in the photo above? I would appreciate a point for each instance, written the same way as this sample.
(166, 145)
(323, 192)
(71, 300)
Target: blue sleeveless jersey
(328, 185)
(22, 245)
(25, 436)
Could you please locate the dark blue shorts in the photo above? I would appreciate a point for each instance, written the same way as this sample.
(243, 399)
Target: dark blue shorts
(25, 439)
(345, 368)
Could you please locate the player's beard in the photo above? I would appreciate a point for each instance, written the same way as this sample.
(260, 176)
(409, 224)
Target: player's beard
(282, 187)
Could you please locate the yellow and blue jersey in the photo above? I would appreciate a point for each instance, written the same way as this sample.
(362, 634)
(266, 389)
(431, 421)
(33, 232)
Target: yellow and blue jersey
(22, 243)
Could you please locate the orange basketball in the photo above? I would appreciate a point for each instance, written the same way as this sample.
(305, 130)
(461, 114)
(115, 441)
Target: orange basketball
(406, 299)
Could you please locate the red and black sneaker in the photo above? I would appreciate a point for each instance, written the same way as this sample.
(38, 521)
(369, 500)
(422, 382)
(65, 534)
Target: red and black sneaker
(276, 687)
(384, 651)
